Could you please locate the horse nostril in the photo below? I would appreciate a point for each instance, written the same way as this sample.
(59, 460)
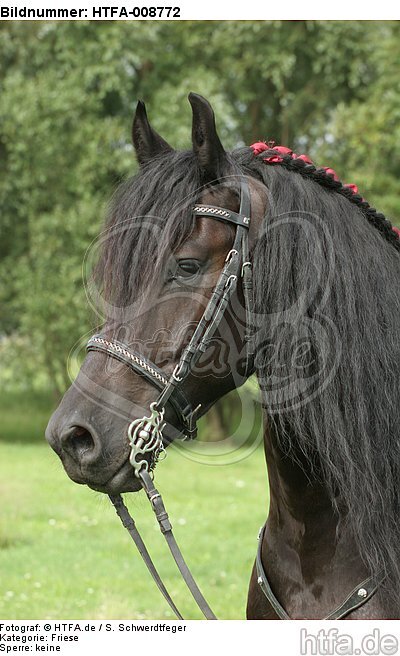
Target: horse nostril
(77, 442)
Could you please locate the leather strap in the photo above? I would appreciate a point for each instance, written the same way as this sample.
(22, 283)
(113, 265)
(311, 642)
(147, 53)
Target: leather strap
(247, 288)
(357, 597)
(139, 364)
(130, 526)
(161, 514)
(264, 584)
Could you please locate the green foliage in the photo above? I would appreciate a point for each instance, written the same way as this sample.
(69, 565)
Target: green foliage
(67, 94)
(364, 134)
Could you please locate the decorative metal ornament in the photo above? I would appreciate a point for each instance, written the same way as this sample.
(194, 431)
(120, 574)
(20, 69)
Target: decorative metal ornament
(145, 437)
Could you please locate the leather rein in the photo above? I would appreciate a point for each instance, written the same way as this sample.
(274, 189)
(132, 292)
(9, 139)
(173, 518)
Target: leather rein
(146, 434)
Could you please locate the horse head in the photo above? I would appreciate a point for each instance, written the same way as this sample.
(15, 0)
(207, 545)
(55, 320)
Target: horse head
(172, 280)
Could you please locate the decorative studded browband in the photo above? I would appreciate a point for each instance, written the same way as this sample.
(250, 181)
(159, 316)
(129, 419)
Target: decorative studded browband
(222, 215)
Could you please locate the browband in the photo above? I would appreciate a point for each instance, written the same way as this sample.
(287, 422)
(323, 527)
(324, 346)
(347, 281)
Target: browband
(146, 434)
(223, 215)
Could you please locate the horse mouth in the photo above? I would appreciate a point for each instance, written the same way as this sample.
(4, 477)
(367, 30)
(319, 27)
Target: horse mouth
(123, 480)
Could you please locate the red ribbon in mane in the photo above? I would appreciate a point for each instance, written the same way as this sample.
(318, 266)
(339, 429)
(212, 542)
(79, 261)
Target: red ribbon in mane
(277, 158)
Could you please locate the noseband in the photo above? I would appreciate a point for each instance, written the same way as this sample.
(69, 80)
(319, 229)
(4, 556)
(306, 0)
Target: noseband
(146, 434)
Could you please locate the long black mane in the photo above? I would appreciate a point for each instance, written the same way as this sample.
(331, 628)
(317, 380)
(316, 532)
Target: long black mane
(326, 275)
(341, 298)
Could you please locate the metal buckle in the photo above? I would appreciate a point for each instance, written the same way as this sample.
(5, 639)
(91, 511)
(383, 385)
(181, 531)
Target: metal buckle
(232, 279)
(231, 254)
(176, 371)
(245, 264)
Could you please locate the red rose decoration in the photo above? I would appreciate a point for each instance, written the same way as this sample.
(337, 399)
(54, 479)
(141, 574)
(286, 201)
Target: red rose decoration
(332, 173)
(274, 159)
(258, 147)
(353, 188)
(282, 150)
(305, 158)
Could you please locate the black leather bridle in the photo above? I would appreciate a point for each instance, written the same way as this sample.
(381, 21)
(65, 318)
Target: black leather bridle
(146, 434)
(237, 267)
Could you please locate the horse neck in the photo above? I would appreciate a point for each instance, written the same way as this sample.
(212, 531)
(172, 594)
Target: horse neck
(304, 533)
(295, 491)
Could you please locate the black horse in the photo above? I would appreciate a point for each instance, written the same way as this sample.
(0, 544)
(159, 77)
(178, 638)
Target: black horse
(321, 334)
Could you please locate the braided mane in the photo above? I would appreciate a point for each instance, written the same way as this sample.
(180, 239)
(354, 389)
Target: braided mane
(327, 178)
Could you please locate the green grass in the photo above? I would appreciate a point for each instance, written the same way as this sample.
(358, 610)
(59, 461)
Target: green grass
(24, 416)
(64, 554)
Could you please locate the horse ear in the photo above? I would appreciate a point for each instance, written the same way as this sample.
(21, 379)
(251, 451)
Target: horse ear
(146, 141)
(206, 144)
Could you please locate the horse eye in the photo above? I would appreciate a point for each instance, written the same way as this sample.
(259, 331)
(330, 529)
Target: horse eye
(187, 268)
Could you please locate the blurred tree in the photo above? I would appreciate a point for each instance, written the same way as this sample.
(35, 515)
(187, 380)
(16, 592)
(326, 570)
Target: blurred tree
(361, 137)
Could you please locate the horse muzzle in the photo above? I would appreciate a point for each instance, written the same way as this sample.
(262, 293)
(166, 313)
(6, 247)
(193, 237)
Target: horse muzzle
(101, 462)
